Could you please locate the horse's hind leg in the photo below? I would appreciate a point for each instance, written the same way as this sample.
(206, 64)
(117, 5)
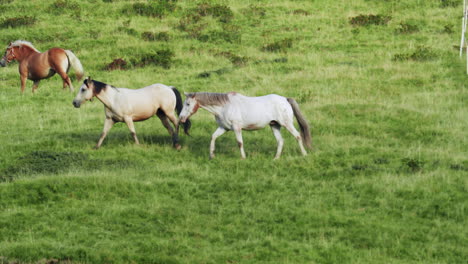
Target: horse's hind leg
(66, 80)
(61, 66)
(35, 85)
(290, 127)
(164, 119)
(240, 142)
(277, 133)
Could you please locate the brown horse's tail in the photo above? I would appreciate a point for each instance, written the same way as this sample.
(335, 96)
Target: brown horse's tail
(305, 130)
(75, 63)
(179, 105)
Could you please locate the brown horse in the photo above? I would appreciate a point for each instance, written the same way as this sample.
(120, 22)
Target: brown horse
(35, 66)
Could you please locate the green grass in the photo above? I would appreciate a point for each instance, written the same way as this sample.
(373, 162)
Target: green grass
(386, 97)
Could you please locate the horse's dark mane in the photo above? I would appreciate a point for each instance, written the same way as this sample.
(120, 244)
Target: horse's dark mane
(99, 86)
(211, 98)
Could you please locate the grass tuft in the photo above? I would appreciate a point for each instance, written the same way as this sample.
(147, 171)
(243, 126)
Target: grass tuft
(230, 34)
(255, 11)
(301, 12)
(116, 64)
(278, 46)
(153, 8)
(449, 3)
(368, 20)
(236, 60)
(163, 58)
(14, 22)
(421, 54)
(221, 12)
(407, 28)
(160, 36)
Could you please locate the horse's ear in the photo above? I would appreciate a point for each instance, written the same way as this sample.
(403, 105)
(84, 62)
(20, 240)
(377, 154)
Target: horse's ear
(189, 95)
(87, 81)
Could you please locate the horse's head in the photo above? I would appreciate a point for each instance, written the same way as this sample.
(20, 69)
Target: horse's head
(190, 107)
(8, 56)
(85, 93)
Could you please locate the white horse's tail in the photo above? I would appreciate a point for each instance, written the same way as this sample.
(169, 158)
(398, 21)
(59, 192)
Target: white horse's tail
(305, 130)
(75, 63)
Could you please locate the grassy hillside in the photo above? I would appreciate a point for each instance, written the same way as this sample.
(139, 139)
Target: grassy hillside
(379, 81)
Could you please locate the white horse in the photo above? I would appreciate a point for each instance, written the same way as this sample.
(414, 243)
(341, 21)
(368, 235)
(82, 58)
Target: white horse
(127, 105)
(235, 112)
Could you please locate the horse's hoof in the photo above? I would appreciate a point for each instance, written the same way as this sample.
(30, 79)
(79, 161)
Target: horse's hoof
(178, 146)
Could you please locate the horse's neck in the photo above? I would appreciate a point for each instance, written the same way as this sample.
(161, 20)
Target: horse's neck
(24, 52)
(214, 109)
(107, 96)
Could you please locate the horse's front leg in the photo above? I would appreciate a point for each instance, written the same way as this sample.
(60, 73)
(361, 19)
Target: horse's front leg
(131, 127)
(108, 123)
(240, 142)
(215, 135)
(23, 78)
(35, 85)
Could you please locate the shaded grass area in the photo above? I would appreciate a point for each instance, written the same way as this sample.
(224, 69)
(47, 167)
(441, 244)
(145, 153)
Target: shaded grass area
(38, 162)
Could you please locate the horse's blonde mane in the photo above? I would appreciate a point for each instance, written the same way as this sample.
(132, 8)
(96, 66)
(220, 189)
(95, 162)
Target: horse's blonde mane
(210, 98)
(20, 43)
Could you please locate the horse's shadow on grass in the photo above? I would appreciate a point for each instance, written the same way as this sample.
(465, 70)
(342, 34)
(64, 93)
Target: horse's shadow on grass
(261, 143)
(116, 138)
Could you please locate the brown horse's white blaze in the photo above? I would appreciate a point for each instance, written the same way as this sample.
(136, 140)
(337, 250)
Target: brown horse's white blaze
(236, 112)
(35, 66)
(128, 106)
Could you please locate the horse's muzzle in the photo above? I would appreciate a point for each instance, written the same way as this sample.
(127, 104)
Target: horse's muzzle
(3, 63)
(76, 104)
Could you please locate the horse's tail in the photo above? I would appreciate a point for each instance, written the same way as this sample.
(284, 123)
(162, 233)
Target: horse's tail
(76, 64)
(305, 130)
(179, 105)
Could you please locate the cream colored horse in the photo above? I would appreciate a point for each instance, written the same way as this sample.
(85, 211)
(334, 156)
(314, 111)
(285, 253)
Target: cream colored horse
(127, 105)
(236, 112)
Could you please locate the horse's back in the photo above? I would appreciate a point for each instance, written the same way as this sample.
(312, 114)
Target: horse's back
(269, 102)
(257, 112)
(155, 95)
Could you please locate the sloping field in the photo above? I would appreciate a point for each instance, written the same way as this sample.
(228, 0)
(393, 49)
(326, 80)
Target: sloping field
(379, 81)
